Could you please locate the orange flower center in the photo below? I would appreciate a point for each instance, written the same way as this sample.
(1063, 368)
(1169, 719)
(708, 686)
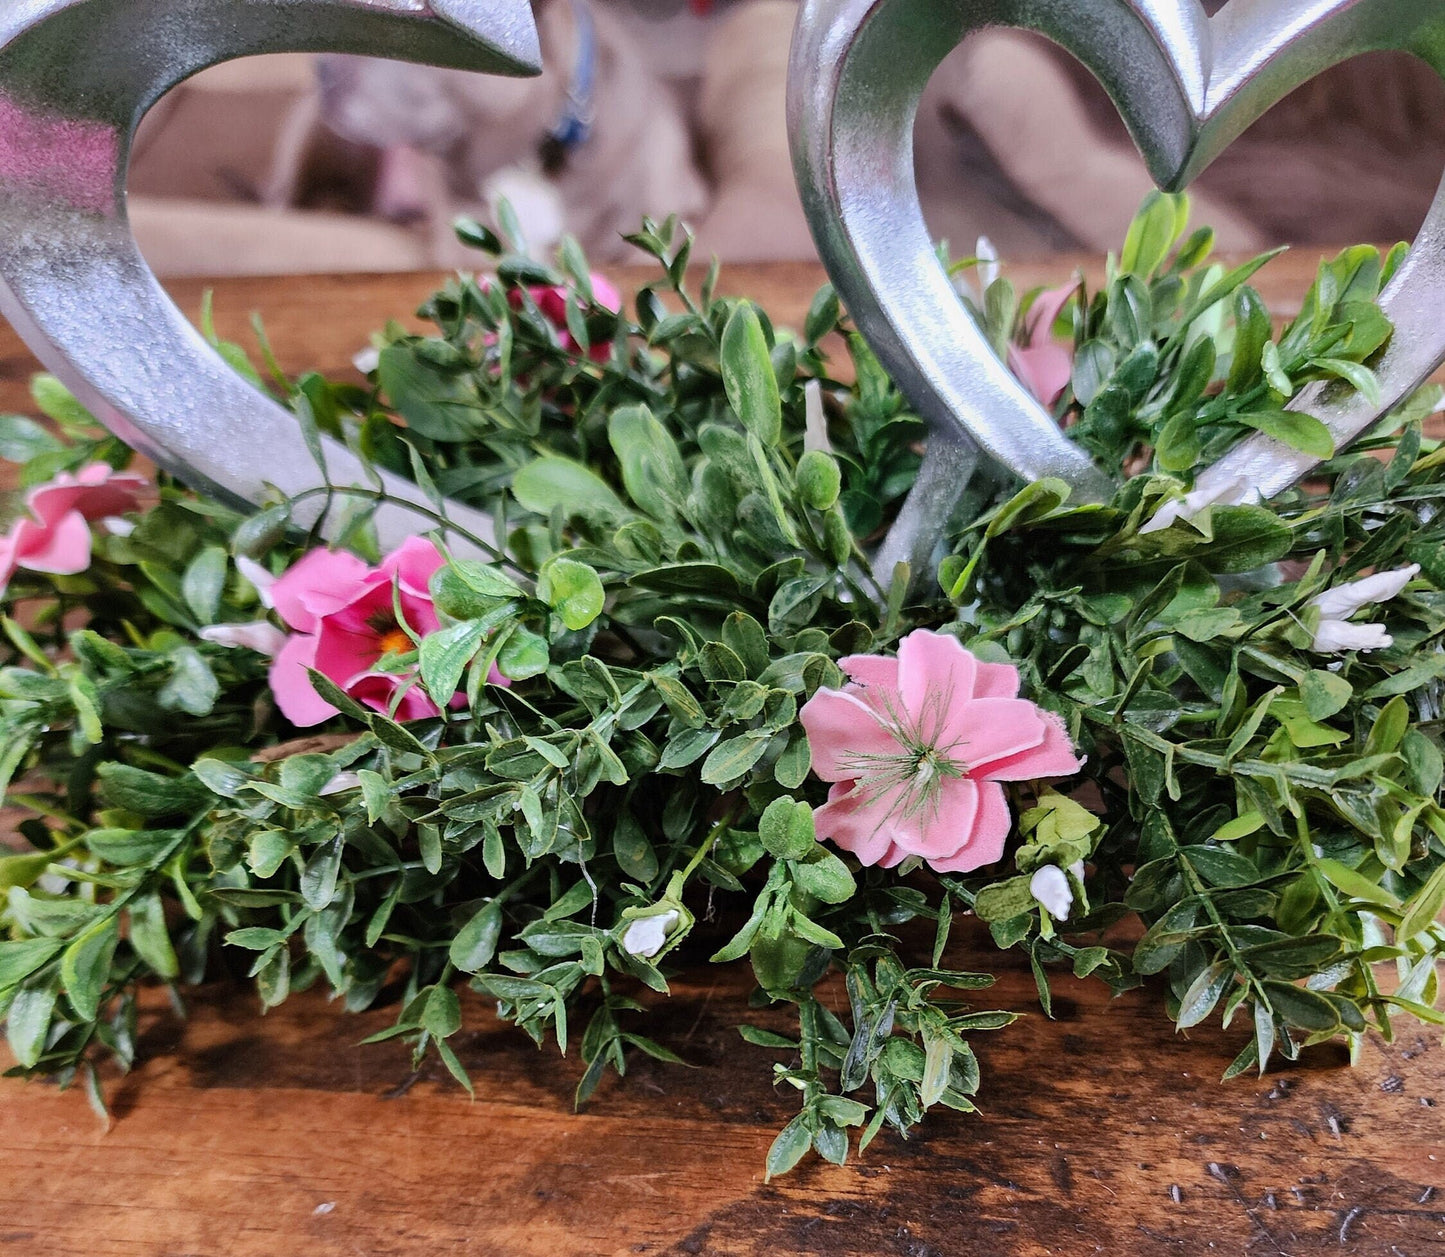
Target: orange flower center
(395, 642)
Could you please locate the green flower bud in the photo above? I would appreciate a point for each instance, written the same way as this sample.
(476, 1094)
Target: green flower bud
(819, 479)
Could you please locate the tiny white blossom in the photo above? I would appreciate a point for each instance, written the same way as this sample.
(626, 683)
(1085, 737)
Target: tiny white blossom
(118, 525)
(259, 635)
(1336, 636)
(1343, 601)
(340, 782)
(259, 576)
(815, 423)
(987, 254)
(1234, 491)
(646, 935)
(1050, 886)
(366, 360)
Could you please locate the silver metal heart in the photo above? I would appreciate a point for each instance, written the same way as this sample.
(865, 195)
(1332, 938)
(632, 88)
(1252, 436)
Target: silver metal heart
(76, 76)
(1186, 85)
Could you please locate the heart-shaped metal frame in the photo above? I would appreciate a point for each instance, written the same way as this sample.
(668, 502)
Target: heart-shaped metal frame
(1186, 85)
(76, 76)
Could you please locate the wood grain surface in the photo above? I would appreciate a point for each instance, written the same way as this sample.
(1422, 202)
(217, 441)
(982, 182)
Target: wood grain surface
(1102, 1130)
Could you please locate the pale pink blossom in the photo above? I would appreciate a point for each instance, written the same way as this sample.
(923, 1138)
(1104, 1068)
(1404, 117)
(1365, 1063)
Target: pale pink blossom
(55, 537)
(1038, 359)
(344, 614)
(916, 748)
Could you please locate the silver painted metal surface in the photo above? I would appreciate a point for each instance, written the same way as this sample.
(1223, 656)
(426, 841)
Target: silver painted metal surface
(1186, 85)
(76, 76)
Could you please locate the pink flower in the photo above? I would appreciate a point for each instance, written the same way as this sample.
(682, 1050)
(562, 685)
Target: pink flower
(916, 747)
(56, 537)
(1039, 361)
(552, 302)
(344, 614)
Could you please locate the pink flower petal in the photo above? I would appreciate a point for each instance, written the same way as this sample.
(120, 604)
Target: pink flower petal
(996, 680)
(413, 563)
(867, 825)
(871, 670)
(1044, 369)
(950, 820)
(980, 732)
(984, 844)
(343, 655)
(317, 584)
(1054, 756)
(94, 490)
(1044, 313)
(61, 546)
(377, 690)
(843, 733)
(295, 695)
(936, 679)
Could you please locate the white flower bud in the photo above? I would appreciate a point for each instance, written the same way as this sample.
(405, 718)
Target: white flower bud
(646, 935)
(1235, 491)
(260, 635)
(1333, 637)
(815, 422)
(1343, 601)
(1050, 886)
(259, 577)
(339, 783)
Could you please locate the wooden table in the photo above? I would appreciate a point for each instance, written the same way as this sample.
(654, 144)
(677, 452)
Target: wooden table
(1101, 1131)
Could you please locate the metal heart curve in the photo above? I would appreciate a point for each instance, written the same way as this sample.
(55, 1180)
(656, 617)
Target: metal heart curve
(1185, 83)
(76, 76)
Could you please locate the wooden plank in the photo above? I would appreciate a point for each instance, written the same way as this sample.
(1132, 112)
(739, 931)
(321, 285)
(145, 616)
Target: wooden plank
(1102, 1131)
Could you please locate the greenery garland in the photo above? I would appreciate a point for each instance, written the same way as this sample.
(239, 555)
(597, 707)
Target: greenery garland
(607, 738)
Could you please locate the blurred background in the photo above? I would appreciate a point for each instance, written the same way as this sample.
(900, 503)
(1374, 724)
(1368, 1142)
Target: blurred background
(303, 165)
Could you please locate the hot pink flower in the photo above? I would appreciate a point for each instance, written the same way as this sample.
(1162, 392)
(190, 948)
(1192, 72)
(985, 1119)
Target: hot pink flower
(1039, 361)
(56, 538)
(916, 747)
(552, 302)
(345, 623)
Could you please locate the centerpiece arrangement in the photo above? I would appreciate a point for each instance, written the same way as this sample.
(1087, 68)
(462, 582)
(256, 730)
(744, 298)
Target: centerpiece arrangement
(670, 714)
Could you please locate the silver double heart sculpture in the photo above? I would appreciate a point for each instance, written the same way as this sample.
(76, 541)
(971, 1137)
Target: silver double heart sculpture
(76, 76)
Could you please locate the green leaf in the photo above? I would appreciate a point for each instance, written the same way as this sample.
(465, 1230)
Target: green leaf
(573, 590)
(85, 967)
(1203, 994)
(1324, 694)
(444, 655)
(732, 759)
(150, 937)
(1308, 1010)
(27, 1024)
(1425, 906)
(22, 957)
(748, 376)
(1363, 380)
(524, 654)
(553, 483)
(1293, 427)
(439, 404)
(204, 582)
(786, 830)
(653, 472)
(476, 942)
(318, 879)
(825, 877)
(1356, 884)
(1222, 867)
(790, 1146)
(1150, 235)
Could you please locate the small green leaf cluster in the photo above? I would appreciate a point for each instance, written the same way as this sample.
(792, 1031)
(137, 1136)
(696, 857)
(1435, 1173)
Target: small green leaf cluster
(1176, 356)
